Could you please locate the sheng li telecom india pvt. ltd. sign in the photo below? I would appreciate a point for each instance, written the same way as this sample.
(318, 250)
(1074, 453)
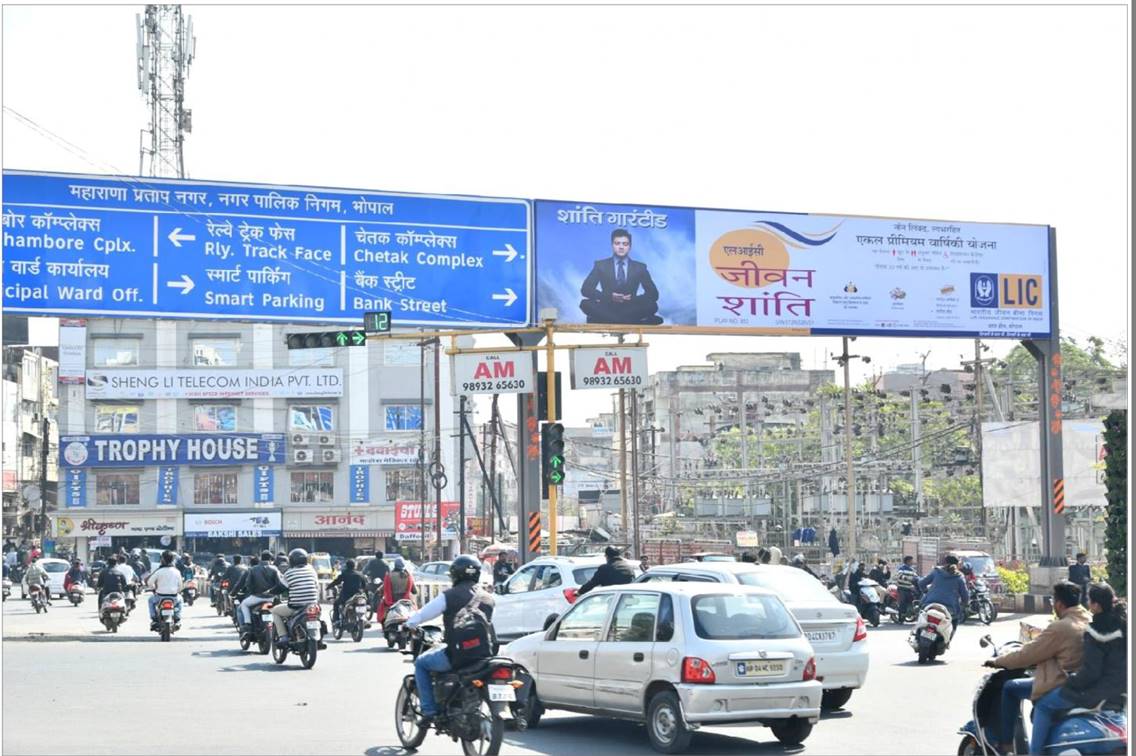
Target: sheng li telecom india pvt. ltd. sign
(791, 274)
(123, 246)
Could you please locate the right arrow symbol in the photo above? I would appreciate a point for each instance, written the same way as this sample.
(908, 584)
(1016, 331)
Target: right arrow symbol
(185, 284)
(508, 297)
(508, 253)
(177, 237)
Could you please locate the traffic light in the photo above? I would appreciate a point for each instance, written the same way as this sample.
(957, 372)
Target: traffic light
(542, 395)
(551, 455)
(326, 339)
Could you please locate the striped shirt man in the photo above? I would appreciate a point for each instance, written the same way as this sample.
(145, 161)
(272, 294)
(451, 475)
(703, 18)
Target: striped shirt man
(303, 586)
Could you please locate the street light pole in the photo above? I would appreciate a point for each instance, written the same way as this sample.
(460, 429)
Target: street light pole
(851, 479)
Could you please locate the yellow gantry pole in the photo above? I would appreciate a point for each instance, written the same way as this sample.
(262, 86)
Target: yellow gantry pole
(550, 390)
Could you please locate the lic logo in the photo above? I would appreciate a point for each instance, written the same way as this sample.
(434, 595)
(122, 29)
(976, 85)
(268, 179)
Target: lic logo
(983, 290)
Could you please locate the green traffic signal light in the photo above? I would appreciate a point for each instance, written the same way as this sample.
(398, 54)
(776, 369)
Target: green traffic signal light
(341, 339)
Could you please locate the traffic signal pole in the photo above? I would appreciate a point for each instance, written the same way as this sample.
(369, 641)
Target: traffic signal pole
(550, 376)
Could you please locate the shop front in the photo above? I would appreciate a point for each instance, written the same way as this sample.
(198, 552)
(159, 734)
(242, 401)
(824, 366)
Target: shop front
(244, 532)
(341, 532)
(94, 533)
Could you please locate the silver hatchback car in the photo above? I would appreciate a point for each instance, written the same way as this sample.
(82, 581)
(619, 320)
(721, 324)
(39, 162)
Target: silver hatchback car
(677, 656)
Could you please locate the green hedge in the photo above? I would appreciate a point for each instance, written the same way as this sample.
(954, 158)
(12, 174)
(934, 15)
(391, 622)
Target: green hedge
(1014, 581)
(1116, 491)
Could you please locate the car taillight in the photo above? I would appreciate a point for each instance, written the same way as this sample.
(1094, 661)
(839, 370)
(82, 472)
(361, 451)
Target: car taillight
(570, 595)
(810, 670)
(695, 670)
(861, 630)
(313, 611)
(501, 673)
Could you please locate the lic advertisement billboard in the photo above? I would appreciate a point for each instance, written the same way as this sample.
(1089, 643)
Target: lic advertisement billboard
(791, 274)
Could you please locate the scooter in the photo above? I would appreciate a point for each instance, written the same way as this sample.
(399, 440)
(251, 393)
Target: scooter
(75, 594)
(871, 603)
(112, 612)
(189, 594)
(7, 588)
(394, 628)
(932, 634)
(167, 623)
(1080, 731)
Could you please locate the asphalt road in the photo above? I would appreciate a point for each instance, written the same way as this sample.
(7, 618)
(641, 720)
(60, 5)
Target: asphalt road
(63, 673)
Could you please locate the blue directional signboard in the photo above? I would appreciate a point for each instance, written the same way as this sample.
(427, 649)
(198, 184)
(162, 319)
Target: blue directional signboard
(145, 247)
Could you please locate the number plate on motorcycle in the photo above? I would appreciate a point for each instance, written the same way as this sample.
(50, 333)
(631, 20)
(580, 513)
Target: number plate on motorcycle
(167, 612)
(266, 617)
(769, 668)
(930, 634)
(821, 635)
(502, 693)
(314, 625)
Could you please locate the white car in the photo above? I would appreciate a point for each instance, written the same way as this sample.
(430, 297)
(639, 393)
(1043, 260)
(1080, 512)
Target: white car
(676, 656)
(539, 592)
(835, 629)
(433, 570)
(56, 571)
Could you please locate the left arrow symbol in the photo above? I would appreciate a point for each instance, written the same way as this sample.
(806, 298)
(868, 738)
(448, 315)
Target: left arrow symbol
(177, 237)
(185, 284)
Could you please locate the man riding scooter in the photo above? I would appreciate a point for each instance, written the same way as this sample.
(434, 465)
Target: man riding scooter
(397, 585)
(75, 576)
(945, 585)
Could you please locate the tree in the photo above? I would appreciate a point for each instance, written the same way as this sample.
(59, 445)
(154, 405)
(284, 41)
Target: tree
(1116, 491)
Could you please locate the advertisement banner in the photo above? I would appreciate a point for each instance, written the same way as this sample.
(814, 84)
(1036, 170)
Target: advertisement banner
(1011, 474)
(268, 383)
(496, 373)
(232, 524)
(360, 484)
(618, 367)
(263, 485)
(75, 479)
(72, 351)
(791, 274)
(167, 486)
(359, 521)
(408, 520)
(117, 524)
(384, 452)
(139, 449)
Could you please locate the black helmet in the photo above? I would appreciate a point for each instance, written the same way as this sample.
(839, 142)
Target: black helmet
(465, 567)
(799, 559)
(297, 558)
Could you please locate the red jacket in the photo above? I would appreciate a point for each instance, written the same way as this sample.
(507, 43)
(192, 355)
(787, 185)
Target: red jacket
(389, 598)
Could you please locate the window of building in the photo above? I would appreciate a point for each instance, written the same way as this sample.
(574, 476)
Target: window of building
(302, 358)
(402, 484)
(215, 417)
(403, 417)
(29, 447)
(313, 487)
(311, 417)
(116, 418)
(116, 488)
(121, 352)
(215, 488)
(215, 352)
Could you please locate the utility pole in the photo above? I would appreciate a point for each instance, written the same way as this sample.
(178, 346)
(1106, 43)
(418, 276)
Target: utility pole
(493, 457)
(978, 427)
(461, 474)
(45, 529)
(437, 478)
(165, 51)
(422, 446)
(635, 472)
(843, 359)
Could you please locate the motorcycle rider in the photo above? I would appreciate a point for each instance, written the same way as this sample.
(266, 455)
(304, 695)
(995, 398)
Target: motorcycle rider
(617, 571)
(282, 562)
(238, 591)
(37, 575)
(397, 585)
(302, 585)
(216, 572)
(258, 584)
(111, 580)
(906, 580)
(1060, 647)
(376, 569)
(465, 571)
(945, 585)
(234, 572)
(166, 583)
(349, 583)
(800, 564)
(854, 577)
(76, 575)
(881, 573)
(186, 566)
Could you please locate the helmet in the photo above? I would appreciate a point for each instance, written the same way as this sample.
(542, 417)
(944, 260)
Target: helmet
(966, 568)
(465, 567)
(399, 565)
(799, 559)
(136, 552)
(297, 557)
(76, 562)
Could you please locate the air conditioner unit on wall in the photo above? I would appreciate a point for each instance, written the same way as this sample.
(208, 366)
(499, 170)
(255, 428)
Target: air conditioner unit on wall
(326, 439)
(303, 456)
(301, 439)
(330, 455)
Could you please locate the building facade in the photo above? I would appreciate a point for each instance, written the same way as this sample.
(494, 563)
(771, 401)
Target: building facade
(29, 424)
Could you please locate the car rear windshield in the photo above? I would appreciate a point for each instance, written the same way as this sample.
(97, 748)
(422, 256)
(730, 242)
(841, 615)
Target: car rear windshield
(791, 584)
(739, 616)
(718, 558)
(55, 567)
(982, 565)
(584, 574)
(323, 563)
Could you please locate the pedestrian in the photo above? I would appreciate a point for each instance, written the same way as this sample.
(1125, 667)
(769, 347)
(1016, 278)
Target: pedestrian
(502, 569)
(616, 571)
(881, 573)
(1080, 574)
(644, 563)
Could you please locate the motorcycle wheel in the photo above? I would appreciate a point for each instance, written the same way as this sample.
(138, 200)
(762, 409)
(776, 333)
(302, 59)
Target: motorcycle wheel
(263, 645)
(492, 729)
(308, 655)
(410, 734)
(337, 631)
(165, 632)
(245, 642)
(357, 633)
(114, 628)
(220, 609)
(873, 615)
(279, 650)
(190, 601)
(401, 643)
(986, 612)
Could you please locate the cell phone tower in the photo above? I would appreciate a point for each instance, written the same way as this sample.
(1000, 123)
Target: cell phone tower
(165, 51)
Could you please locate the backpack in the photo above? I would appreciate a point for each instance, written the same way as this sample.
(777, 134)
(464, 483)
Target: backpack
(472, 635)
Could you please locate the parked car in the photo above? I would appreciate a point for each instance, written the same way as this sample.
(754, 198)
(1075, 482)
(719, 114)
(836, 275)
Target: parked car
(56, 571)
(539, 592)
(709, 556)
(835, 630)
(676, 656)
(433, 571)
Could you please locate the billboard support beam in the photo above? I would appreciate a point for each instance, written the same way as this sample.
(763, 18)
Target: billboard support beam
(528, 462)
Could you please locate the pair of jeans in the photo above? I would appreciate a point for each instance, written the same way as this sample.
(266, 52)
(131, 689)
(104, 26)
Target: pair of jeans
(1013, 693)
(155, 598)
(248, 603)
(1043, 711)
(424, 667)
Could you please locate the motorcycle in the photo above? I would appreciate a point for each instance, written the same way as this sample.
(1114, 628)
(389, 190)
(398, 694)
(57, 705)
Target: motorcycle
(260, 631)
(394, 628)
(980, 604)
(166, 624)
(305, 629)
(39, 602)
(189, 594)
(891, 606)
(1081, 731)
(471, 700)
(75, 594)
(222, 599)
(113, 611)
(353, 618)
(932, 633)
(425, 638)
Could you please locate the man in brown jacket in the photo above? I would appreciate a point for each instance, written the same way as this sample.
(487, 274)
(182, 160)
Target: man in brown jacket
(1055, 653)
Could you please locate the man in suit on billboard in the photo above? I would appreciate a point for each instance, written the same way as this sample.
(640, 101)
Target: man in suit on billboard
(611, 290)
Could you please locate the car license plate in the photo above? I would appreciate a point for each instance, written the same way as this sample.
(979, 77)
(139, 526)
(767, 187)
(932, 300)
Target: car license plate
(761, 668)
(502, 693)
(930, 634)
(821, 635)
(314, 625)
